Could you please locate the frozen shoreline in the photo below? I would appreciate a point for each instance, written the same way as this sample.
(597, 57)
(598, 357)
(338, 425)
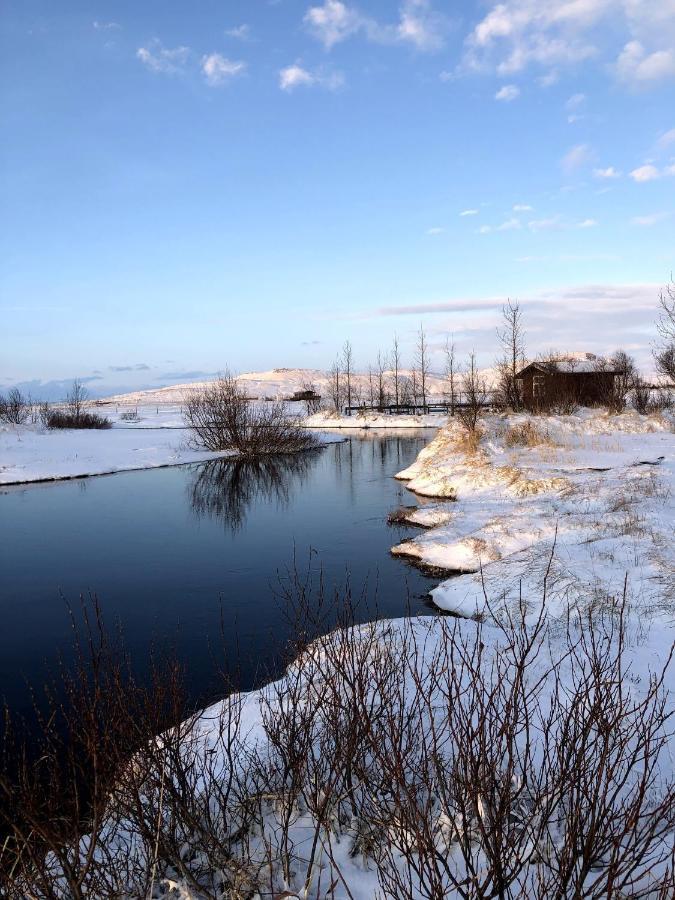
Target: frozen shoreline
(158, 438)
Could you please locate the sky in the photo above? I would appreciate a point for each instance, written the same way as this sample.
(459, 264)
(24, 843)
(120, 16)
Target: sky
(187, 187)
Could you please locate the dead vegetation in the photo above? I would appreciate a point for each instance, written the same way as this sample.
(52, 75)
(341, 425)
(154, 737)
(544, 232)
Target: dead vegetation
(526, 434)
(221, 417)
(450, 760)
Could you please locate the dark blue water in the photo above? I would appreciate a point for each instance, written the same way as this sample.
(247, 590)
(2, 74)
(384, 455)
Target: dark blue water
(190, 557)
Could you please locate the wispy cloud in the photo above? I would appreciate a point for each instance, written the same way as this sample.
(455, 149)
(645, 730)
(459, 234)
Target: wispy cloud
(650, 219)
(106, 26)
(434, 231)
(164, 60)
(219, 70)
(295, 76)
(239, 32)
(522, 207)
(508, 93)
(469, 212)
(587, 223)
(609, 172)
(650, 172)
(418, 25)
(575, 158)
(139, 367)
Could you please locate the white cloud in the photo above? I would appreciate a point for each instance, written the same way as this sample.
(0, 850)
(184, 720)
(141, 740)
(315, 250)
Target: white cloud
(587, 223)
(469, 212)
(645, 173)
(637, 67)
(651, 219)
(576, 157)
(508, 93)
(666, 140)
(218, 70)
(609, 172)
(333, 22)
(239, 32)
(515, 34)
(522, 207)
(418, 24)
(106, 26)
(512, 224)
(552, 223)
(434, 231)
(296, 76)
(162, 59)
(575, 101)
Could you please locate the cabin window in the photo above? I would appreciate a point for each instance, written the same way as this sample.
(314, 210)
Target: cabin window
(538, 382)
(520, 387)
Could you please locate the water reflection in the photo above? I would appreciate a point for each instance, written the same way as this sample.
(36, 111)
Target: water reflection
(227, 490)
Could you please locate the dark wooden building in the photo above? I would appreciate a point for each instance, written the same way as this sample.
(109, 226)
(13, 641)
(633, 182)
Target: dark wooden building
(584, 382)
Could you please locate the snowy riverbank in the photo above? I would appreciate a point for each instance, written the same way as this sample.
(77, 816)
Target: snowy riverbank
(599, 487)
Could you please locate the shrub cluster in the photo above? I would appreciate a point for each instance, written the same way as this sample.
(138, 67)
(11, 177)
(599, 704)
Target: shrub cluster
(58, 418)
(221, 417)
(450, 759)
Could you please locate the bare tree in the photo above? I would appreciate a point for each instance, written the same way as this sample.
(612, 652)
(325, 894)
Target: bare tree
(451, 373)
(511, 336)
(474, 396)
(77, 400)
(335, 387)
(664, 354)
(623, 379)
(15, 408)
(382, 393)
(221, 417)
(395, 367)
(347, 369)
(421, 363)
(371, 387)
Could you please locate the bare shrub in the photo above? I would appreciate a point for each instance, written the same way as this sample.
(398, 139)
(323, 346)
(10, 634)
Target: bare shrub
(221, 417)
(454, 759)
(58, 418)
(15, 407)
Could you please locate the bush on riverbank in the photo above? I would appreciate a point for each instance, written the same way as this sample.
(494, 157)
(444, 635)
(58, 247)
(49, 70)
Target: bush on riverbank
(57, 418)
(425, 758)
(221, 417)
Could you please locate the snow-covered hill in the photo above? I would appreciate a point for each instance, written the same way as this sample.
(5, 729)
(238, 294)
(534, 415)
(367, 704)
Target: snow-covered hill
(280, 383)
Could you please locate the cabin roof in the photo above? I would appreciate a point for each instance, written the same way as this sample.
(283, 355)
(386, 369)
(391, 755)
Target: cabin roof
(567, 367)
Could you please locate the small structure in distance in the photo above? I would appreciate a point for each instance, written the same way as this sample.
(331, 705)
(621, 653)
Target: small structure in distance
(585, 381)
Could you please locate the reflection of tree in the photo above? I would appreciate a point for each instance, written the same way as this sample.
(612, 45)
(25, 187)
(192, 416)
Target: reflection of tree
(226, 489)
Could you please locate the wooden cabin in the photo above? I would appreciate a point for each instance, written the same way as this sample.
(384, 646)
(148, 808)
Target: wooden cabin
(583, 382)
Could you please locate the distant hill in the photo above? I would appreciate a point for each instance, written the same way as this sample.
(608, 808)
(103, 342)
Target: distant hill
(277, 384)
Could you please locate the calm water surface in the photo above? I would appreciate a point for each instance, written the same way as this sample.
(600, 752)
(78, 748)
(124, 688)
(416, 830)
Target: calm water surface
(190, 556)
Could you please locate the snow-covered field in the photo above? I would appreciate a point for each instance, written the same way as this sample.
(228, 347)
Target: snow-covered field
(30, 453)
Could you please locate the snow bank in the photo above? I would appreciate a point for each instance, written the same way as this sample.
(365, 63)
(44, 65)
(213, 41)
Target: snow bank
(28, 453)
(374, 420)
(598, 488)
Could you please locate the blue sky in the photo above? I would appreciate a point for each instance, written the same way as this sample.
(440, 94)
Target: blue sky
(247, 184)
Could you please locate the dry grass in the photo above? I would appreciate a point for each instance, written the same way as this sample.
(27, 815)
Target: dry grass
(526, 434)
(468, 441)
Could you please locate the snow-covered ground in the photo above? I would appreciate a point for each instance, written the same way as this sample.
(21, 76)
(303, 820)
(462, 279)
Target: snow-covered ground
(375, 420)
(30, 453)
(600, 488)
(155, 437)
